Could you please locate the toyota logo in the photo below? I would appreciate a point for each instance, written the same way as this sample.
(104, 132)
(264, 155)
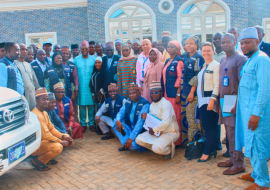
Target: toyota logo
(8, 116)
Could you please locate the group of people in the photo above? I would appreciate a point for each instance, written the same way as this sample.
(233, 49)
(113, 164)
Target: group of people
(118, 85)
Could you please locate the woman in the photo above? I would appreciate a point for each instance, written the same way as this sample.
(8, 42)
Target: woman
(193, 61)
(152, 72)
(208, 91)
(97, 82)
(171, 81)
(59, 72)
(126, 70)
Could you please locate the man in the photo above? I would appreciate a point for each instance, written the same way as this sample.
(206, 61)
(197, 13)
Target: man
(168, 128)
(232, 62)
(136, 47)
(92, 50)
(263, 46)
(165, 38)
(154, 44)
(112, 105)
(2, 50)
(235, 32)
(143, 61)
(129, 42)
(10, 75)
(74, 51)
(253, 110)
(118, 47)
(56, 48)
(64, 109)
(98, 49)
(52, 141)
(29, 55)
(85, 65)
(47, 47)
(54, 118)
(29, 77)
(219, 54)
(160, 46)
(128, 123)
(35, 49)
(39, 66)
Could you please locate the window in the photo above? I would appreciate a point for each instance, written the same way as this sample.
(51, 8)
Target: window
(130, 20)
(266, 26)
(203, 18)
(39, 38)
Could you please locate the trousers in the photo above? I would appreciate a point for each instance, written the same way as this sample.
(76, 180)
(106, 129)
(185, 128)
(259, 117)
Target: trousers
(156, 149)
(84, 114)
(105, 123)
(47, 151)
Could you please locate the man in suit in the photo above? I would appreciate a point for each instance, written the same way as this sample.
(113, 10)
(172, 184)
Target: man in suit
(263, 46)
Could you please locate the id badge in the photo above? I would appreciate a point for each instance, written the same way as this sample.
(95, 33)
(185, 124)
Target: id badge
(226, 81)
(142, 74)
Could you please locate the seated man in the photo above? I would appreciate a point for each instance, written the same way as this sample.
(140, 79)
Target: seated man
(52, 141)
(54, 118)
(168, 127)
(64, 109)
(111, 105)
(128, 122)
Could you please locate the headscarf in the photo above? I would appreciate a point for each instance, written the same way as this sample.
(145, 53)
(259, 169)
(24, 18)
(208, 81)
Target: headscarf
(130, 56)
(184, 39)
(84, 42)
(58, 68)
(176, 43)
(99, 58)
(152, 65)
(196, 39)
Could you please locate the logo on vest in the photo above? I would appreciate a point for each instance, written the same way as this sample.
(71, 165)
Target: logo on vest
(50, 70)
(138, 112)
(172, 68)
(140, 105)
(118, 105)
(115, 63)
(190, 66)
(107, 105)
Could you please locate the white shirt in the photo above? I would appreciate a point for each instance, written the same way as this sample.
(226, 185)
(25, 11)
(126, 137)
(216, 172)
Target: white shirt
(43, 67)
(103, 109)
(201, 100)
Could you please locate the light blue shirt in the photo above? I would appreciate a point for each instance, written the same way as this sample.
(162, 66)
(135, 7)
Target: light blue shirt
(43, 67)
(4, 77)
(254, 99)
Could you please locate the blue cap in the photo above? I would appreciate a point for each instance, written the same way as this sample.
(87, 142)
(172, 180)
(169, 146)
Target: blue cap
(44, 43)
(248, 33)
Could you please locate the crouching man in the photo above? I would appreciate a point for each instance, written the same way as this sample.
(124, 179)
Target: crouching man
(161, 108)
(52, 141)
(112, 105)
(128, 122)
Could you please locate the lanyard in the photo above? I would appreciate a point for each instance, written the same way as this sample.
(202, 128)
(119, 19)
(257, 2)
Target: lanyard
(144, 60)
(236, 47)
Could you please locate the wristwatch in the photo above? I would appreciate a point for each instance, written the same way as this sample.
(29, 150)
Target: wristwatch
(178, 94)
(63, 136)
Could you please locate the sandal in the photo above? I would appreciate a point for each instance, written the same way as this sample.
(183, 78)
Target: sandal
(52, 162)
(41, 166)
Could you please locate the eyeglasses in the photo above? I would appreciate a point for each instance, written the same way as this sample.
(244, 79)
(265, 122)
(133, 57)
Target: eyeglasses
(125, 50)
(152, 93)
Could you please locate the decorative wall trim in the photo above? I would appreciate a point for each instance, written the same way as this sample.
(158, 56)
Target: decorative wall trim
(28, 5)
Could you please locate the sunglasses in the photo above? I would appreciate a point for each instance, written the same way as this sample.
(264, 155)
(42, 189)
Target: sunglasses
(125, 50)
(152, 93)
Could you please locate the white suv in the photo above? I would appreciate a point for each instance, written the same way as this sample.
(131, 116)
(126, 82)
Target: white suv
(20, 132)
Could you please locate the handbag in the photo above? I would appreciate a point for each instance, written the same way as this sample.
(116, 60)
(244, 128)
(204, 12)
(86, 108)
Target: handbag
(195, 148)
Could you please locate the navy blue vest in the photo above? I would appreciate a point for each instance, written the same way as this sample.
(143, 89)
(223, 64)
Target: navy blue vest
(171, 77)
(128, 106)
(53, 77)
(117, 105)
(66, 102)
(71, 66)
(11, 73)
(39, 73)
(189, 71)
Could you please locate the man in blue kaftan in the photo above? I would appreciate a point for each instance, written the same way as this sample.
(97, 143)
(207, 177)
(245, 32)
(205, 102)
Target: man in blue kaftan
(128, 123)
(253, 110)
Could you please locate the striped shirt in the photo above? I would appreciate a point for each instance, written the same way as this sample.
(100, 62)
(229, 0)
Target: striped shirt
(126, 72)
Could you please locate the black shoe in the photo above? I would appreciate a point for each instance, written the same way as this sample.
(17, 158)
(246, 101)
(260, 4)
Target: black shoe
(84, 129)
(219, 148)
(226, 154)
(122, 149)
(107, 137)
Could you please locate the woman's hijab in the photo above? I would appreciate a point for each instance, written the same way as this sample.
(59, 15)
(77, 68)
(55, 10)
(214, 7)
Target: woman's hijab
(58, 68)
(130, 56)
(177, 45)
(153, 67)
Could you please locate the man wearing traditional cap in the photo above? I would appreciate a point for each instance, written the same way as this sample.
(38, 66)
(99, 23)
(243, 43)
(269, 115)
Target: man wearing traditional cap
(136, 47)
(263, 46)
(29, 77)
(253, 110)
(52, 141)
(54, 118)
(75, 51)
(10, 75)
(118, 47)
(47, 47)
(2, 50)
(166, 38)
(128, 123)
(112, 105)
(168, 127)
(64, 109)
(29, 55)
(85, 65)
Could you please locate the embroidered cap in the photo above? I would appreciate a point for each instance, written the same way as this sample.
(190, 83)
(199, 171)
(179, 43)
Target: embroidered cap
(58, 85)
(74, 46)
(166, 33)
(65, 48)
(133, 87)
(41, 91)
(51, 96)
(155, 85)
